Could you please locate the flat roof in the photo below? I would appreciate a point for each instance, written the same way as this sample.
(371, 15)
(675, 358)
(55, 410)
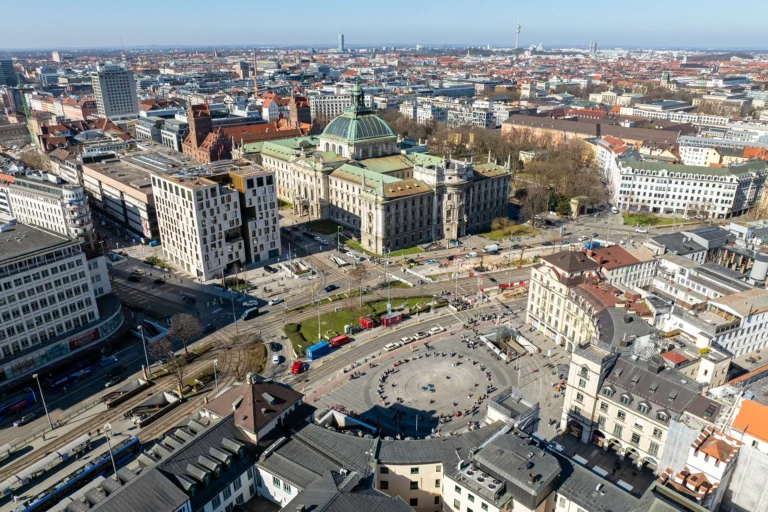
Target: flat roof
(24, 240)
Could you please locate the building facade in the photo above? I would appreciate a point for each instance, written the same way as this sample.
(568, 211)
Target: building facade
(221, 219)
(115, 91)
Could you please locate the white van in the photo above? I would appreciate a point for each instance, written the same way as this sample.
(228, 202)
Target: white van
(436, 329)
(390, 346)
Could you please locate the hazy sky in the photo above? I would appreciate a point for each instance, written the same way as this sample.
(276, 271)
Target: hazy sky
(88, 23)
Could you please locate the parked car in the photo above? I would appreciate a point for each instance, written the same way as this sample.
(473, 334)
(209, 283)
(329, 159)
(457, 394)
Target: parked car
(430, 262)
(330, 288)
(276, 359)
(134, 278)
(24, 420)
(406, 340)
(138, 272)
(107, 360)
(390, 346)
(421, 335)
(436, 329)
(113, 380)
(159, 281)
(208, 328)
(595, 235)
(116, 370)
(582, 238)
(641, 230)
(269, 269)
(275, 301)
(251, 304)
(274, 346)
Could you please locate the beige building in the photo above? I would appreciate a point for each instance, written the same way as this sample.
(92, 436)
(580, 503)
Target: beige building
(621, 395)
(355, 174)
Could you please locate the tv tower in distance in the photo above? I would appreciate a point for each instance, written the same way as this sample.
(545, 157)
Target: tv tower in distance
(517, 36)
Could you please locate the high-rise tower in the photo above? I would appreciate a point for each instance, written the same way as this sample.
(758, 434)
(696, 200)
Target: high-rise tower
(340, 46)
(517, 35)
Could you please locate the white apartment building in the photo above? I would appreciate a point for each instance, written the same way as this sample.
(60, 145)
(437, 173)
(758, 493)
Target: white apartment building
(743, 321)
(716, 192)
(328, 106)
(222, 217)
(47, 201)
(625, 268)
(115, 91)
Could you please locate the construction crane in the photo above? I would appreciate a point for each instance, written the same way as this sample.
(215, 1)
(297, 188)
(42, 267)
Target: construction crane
(26, 112)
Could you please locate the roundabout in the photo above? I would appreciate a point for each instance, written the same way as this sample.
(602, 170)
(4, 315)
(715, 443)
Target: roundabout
(421, 390)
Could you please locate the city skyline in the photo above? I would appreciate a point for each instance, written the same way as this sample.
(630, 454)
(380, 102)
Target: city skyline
(427, 23)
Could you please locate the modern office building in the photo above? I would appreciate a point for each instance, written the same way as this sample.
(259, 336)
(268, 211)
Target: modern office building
(54, 301)
(340, 45)
(115, 91)
(45, 200)
(7, 73)
(217, 217)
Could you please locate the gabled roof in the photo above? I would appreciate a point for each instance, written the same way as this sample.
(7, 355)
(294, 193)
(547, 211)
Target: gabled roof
(254, 405)
(571, 261)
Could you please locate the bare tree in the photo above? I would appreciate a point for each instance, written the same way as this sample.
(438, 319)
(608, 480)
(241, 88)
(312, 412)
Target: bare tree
(185, 328)
(177, 366)
(34, 160)
(237, 354)
(358, 275)
(159, 349)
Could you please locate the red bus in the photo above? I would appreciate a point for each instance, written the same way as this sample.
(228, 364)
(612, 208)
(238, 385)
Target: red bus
(338, 341)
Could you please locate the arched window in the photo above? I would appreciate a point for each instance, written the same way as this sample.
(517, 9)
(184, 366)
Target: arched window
(327, 147)
(333, 148)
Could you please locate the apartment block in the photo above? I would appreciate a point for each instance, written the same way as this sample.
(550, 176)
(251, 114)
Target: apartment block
(217, 218)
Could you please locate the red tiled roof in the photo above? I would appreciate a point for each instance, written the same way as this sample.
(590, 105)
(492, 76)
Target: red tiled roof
(674, 357)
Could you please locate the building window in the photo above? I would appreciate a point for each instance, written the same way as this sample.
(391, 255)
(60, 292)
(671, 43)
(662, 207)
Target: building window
(607, 392)
(287, 487)
(457, 504)
(457, 489)
(653, 449)
(384, 485)
(414, 486)
(562, 501)
(579, 397)
(276, 482)
(239, 499)
(237, 483)
(582, 383)
(657, 433)
(484, 506)
(216, 502)
(414, 471)
(621, 415)
(384, 471)
(437, 500)
(227, 493)
(603, 406)
(437, 483)
(601, 421)
(617, 430)
(414, 502)
(635, 439)
(471, 498)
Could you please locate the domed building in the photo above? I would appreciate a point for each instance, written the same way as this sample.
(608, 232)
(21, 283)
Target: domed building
(358, 174)
(358, 133)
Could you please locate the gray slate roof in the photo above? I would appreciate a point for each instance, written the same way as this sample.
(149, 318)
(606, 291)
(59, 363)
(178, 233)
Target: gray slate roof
(150, 492)
(329, 493)
(436, 450)
(579, 485)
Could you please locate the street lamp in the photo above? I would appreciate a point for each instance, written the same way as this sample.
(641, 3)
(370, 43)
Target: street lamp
(36, 377)
(215, 377)
(107, 430)
(144, 344)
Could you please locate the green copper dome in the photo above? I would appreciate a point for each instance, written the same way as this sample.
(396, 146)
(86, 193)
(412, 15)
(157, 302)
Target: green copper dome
(357, 122)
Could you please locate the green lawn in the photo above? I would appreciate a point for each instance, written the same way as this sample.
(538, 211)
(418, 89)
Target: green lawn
(515, 230)
(634, 219)
(410, 250)
(305, 334)
(326, 227)
(283, 205)
(357, 247)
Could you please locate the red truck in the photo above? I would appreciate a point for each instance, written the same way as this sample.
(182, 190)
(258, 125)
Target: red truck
(339, 341)
(297, 367)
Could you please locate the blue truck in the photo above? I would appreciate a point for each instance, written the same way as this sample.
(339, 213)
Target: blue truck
(592, 245)
(318, 350)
